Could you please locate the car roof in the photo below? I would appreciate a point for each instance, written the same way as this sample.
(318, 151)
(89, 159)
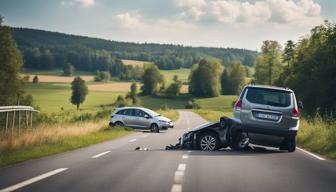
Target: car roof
(270, 87)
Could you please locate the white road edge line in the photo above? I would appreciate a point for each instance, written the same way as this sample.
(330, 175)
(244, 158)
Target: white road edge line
(100, 154)
(185, 156)
(32, 180)
(181, 167)
(132, 140)
(311, 154)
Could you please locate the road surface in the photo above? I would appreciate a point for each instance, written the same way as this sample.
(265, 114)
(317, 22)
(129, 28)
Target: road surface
(116, 166)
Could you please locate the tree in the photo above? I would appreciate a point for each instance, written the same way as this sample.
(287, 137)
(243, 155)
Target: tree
(120, 102)
(233, 78)
(11, 85)
(133, 93)
(35, 79)
(79, 91)
(102, 76)
(289, 53)
(268, 65)
(174, 88)
(68, 69)
(248, 60)
(312, 72)
(204, 79)
(152, 79)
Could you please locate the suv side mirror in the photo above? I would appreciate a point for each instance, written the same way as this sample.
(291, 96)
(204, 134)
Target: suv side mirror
(300, 104)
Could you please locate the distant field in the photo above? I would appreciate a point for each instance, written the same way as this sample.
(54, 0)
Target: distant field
(56, 72)
(221, 103)
(57, 79)
(111, 87)
(182, 74)
(134, 62)
(53, 97)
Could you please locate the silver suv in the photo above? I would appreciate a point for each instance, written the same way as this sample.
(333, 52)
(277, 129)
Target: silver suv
(269, 115)
(139, 117)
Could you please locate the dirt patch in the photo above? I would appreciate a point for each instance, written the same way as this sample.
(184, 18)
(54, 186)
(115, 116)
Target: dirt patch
(134, 63)
(58, 79)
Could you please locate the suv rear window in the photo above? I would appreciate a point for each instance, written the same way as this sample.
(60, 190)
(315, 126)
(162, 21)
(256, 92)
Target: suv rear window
(271, 97)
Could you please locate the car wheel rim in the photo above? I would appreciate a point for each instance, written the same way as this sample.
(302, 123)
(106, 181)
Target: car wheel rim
(208, 143)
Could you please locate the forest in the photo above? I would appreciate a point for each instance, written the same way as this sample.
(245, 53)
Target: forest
(49, 50)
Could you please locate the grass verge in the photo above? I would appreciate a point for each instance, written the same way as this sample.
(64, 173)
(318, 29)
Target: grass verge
(169, 113)
(44, 141)
(212, 115)
(318, 136)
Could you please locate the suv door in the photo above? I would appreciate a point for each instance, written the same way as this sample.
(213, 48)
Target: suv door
(140, 118)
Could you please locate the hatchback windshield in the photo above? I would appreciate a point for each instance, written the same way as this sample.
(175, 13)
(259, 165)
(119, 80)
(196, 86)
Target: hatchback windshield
(271, 97)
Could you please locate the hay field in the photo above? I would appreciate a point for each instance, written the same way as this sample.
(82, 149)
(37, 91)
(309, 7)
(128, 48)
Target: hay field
(111, 87)
(134, 63)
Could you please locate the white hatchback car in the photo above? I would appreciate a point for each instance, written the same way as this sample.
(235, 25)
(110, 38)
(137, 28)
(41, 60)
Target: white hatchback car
(141, 118)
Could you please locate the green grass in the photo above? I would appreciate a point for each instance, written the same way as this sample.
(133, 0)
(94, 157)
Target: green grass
(61, 145)
(52, 97)
(171, 114)
(318, 136)
(182, 74)
(212, 115)
(57, 72)
(221, 103)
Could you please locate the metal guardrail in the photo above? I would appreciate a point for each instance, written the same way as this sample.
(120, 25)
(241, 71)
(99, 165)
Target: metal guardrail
(28, 114)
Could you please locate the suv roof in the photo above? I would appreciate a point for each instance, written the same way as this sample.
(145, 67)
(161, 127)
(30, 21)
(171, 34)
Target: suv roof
(270, 87)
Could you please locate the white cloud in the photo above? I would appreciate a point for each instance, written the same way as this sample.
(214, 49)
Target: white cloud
(83, 3)
(303, 12)
(134, 20)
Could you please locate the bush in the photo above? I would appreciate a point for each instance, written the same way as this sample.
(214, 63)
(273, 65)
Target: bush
(192, 105)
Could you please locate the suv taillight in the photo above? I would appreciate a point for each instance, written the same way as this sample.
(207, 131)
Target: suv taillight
(296, 112)
(237, 105)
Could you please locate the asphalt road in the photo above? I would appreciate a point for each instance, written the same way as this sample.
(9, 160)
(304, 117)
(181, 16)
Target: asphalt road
(116, 166)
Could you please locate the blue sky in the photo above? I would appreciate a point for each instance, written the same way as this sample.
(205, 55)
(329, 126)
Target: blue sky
(218, 23)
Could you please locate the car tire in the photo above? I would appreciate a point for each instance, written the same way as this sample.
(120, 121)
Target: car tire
(208, 142)
(155, 128)
(237, 143)
(119, 124)
(291, 144)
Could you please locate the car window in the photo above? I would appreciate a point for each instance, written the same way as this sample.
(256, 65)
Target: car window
(139, 113)
(125, 112)
(271, 97)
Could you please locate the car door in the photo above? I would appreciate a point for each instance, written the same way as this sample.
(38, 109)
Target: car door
(142, 118)
(128, 118)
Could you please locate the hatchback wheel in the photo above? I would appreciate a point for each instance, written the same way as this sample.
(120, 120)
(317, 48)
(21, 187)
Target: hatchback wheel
(119, 124)
(208, 142)
(241, 141)
(155, 128)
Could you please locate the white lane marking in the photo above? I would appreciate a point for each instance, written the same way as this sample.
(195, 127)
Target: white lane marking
(189, 151)
(178, 177)
(32, 180)
(185, 156)
(181, 167)
(176, 188)
(145, 135)
(311, 154)
(132, 140)
(100, 154)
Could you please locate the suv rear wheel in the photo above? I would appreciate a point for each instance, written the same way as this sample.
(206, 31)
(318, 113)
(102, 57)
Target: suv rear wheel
(240, 141)
(208, 142)
(291, 144)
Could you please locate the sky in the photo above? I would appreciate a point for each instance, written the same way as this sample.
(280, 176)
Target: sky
(211, 23)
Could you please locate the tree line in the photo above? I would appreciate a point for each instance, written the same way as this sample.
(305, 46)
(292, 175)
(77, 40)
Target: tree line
(46, 50)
